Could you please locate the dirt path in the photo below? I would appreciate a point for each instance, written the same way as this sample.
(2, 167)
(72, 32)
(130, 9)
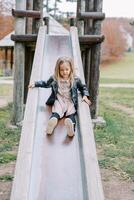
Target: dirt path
(6, 169)
(115, 187)
(6, 81)
(4, 101)
(116, 85)
(5, 186)
(128, 111)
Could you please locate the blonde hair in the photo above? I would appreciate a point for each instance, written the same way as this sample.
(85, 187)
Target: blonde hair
(59, 62)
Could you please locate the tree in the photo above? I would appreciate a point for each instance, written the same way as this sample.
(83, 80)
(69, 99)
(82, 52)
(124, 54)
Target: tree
(6, 20)
(55, 6)
(115, 43)
(46, 5)
(6, 25)
(52, 8)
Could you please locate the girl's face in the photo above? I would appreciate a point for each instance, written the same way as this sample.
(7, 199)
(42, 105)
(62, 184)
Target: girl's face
(65, 70)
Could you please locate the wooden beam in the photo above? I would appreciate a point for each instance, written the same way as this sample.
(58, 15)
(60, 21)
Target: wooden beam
(26, 13)
(24, 38)
(85, 39)
(90, 39)
(91, 15)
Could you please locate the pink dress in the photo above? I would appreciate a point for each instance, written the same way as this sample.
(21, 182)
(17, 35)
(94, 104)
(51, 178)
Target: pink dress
(63, 104)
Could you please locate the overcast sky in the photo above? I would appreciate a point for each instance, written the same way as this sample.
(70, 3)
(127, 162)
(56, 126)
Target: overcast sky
(112, 8)
(118, 8)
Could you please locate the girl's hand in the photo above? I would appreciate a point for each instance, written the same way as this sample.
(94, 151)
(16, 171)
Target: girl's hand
(86, 100)
(31, 86)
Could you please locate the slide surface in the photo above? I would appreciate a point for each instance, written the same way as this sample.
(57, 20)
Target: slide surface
(56, 158)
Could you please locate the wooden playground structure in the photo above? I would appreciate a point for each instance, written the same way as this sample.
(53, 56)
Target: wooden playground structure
(56, 167)
(88, 21)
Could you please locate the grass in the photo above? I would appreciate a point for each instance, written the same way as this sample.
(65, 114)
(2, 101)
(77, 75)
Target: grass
(119, 72)
(6, 157)
(1, 73)
(6, 90)
(116, 140)
(6, 177)
(9, 137)
(123, 96)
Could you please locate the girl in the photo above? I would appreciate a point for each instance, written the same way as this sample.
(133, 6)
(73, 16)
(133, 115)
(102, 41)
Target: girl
(64, 97)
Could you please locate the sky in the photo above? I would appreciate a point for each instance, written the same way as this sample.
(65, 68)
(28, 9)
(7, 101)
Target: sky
(118, 8)
(112, 8)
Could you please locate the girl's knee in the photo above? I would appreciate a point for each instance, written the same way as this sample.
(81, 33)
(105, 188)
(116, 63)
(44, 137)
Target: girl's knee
(56, 115)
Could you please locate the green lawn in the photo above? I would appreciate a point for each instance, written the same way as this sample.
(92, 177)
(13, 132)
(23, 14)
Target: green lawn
(115, 142)
(119, 72)
(123, 96)
(9, 137)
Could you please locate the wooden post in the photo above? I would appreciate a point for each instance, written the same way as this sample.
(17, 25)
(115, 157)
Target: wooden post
(11, 59)
(89, 6)
(5, 61)
(19, 63)
(32, 26)
(88, 30)
(37, 5)
(46, 22)
(29, 6)
(72, 22)
(95, 62)
(2, 64)
(28, 52)
(80, 24)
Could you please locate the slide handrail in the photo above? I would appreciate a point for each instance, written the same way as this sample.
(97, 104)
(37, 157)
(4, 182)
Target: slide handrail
(20, 189)
(93, 189)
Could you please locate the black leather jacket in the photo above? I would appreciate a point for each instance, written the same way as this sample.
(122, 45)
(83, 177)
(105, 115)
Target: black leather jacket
(53, 84)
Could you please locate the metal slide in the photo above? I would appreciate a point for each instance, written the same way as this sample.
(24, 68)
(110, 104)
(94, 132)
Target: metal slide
(55, 167)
